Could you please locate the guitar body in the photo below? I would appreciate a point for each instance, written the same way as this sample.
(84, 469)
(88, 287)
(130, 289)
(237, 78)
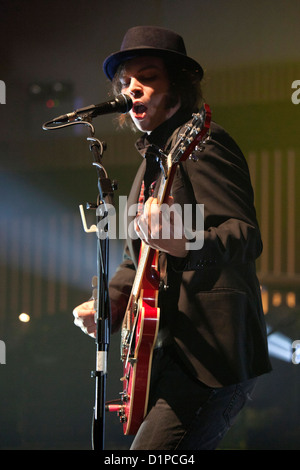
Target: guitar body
(137, 369)
(141, 320)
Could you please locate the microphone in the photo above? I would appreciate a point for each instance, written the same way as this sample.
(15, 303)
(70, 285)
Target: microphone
(121, 104)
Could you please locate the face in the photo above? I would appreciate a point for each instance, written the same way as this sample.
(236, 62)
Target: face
(146, 81)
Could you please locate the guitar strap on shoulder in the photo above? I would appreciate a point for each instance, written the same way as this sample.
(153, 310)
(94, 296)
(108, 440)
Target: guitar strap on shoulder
(152, 173)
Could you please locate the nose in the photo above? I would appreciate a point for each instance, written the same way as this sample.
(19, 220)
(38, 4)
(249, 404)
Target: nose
(135, 88)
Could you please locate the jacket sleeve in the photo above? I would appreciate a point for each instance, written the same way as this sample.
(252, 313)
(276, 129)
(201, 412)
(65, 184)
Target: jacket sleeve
(218, 177)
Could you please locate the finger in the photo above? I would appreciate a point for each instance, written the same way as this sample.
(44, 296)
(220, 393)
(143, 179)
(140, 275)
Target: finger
(150, 205)
(76, 312)
(170, 200)
(141, 227)
(87, 325)
(136, 225)
(88, 330)
(87, 308)
(153, 218)
(149, 201)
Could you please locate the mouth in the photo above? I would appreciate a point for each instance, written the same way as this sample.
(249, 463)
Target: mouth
(139, 110)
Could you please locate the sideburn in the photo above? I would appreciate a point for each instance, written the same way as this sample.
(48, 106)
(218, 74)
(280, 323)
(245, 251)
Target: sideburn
(172, 98)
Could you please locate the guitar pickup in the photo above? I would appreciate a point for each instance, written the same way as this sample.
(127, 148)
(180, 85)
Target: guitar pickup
(135, 308)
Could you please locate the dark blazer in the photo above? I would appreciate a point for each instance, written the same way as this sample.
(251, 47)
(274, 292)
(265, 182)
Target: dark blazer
(212, 306)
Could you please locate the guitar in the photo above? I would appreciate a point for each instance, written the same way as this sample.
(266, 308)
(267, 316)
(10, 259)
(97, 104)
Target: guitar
(141, 321)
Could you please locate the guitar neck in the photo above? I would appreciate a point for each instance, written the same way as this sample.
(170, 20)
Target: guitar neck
(144, 256)
(163, 190)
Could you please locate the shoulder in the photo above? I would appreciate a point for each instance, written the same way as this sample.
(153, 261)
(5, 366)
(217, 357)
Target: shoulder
(220, 136)
(219, 158)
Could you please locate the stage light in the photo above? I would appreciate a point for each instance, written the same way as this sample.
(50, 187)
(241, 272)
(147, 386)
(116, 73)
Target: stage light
(35, 89)
(280, 346)
(277, 299)
(291, 299)
(58, 86)
(40, 91)
(50, 103)
(24, 317)
(265, 299)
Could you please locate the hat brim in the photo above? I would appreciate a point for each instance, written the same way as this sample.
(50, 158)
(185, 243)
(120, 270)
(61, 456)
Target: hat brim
(112, 62)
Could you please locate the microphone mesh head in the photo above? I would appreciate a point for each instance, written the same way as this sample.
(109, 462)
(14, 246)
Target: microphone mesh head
(124, 103)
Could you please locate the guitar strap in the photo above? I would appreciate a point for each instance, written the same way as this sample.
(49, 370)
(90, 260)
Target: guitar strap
(149, 187)
(152, 173)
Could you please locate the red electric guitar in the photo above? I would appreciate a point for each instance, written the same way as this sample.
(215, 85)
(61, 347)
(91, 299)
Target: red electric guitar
(141, 320)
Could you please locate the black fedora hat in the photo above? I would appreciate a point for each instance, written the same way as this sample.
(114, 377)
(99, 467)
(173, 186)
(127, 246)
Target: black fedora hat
(151, 40)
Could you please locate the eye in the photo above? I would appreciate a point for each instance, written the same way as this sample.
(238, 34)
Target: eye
(148, 78)
(124, 83)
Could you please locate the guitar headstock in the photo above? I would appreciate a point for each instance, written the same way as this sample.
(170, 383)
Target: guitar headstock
(193, 133)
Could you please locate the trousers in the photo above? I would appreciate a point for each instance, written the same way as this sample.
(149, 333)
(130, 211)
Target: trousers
(185, 414)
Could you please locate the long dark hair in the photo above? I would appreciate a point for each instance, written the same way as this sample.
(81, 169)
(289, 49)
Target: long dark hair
(184, 85)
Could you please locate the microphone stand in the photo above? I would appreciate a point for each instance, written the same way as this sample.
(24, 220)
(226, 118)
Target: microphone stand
(102, 317)
(106, 189)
